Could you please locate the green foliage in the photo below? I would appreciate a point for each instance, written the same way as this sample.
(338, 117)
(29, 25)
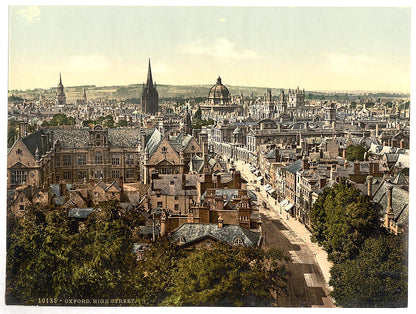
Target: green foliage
(376, 278)
(12, 131)
(49, 256)
(228, 276)
(198, 114)
(342, 219)
(355, 153)
(106, 121)
(61, 119)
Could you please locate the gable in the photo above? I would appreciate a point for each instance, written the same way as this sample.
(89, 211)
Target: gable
(192, 146)
(19, 153)
(164, 151)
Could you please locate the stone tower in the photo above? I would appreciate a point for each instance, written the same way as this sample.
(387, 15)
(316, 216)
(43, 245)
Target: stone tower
(150, 96)
(60, 100)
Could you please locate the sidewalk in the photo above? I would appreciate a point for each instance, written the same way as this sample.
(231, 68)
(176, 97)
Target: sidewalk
(289, 222)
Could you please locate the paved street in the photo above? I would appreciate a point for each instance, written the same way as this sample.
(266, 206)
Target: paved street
(309, 269)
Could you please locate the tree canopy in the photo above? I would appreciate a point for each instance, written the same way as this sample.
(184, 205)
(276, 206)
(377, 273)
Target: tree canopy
(370, 265)
(52, 256)
(355, 153)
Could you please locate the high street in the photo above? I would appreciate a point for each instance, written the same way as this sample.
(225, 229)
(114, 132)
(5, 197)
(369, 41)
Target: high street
(309, 268)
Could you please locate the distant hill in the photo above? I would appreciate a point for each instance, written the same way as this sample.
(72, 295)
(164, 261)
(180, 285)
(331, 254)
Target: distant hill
(133, 91)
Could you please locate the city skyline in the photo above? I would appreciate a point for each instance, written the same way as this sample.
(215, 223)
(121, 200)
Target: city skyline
(316, 48)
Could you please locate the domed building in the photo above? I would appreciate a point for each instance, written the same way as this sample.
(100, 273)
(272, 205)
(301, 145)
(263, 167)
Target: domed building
(219, 94)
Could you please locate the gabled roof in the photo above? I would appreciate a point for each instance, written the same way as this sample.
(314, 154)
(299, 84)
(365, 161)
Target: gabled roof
(153, 141)
(192, 233)
(400, 179)
(400, 201)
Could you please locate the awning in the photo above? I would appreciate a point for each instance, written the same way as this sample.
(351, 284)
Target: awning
(259, 178)
(288, 207)
(267, 187)
(283, 203)
(256, 172)
(271, 191)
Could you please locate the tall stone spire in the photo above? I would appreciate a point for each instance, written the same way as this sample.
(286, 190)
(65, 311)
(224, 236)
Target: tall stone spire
(149, 82)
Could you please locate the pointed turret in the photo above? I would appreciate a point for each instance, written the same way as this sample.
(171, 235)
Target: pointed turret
(149, 97)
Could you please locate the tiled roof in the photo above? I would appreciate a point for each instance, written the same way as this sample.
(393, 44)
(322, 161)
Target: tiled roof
(228, 233)
(172, 185)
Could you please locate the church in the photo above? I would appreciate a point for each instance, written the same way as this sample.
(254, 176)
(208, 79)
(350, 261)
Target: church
(150, 96)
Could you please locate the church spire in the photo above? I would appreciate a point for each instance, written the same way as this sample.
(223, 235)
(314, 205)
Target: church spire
(60, 79)
(149, 82)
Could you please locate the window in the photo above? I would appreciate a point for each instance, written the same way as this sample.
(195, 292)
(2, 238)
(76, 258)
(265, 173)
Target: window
(164, 149)
(67, 160)
(208, 243)
(21, 207)
(129, 173)
(58, 161)
(181, 240)
(99, 158)
(82, 160)
(159, 204)
(115, 160)
(18, 177)
(176, 207)
(176, 198)
(18, 151)
(238, 241)
(115, 173)
(82, 175)
(98, 174)
(67, 175)
(129, 159)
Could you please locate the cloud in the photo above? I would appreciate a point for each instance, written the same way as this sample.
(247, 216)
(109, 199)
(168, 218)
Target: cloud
(349, 64)
(92, 62)
(220, 48)
(30, 14)
(222, 20)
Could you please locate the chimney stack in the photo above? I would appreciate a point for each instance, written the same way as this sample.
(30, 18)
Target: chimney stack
(370, 186)
(220, 222)
(219, 185)
(237, 178)
(356, 167)
(390, 199)
(305, 163)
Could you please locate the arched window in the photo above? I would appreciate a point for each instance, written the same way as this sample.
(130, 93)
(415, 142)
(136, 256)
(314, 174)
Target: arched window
(98, 158)
(238, 241)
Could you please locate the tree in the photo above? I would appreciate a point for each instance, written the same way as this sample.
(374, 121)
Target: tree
(376, 278)
(122, 123)
(342, 219)
(12, 131)
(61, 119)
(228, 276)
(198, 114)
(355, 153)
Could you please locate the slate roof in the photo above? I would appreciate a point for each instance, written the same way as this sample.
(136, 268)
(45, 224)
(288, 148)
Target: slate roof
(295, 167)
(230, 194)
(192, 233)
(124, 137)
(81, 213)
(400, 179)
(197, 163)
(146, 230)
(153, 140)
(400, 201)
(34, 141)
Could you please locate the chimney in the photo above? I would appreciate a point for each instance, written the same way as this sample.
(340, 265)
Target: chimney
(344, 153)
(370, 186)
(356, 167)
(389, 199)
(183, 181)
(44, 144)
(219, 202)
(143, 139)
(333, 174)
(219, 185)
(322, 182)
(220, 221)
(208, 178)
(305, 163)
(376, 169)
(237, 178)
(163, 225)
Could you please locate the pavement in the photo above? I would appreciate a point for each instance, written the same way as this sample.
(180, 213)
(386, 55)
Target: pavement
(289, 222)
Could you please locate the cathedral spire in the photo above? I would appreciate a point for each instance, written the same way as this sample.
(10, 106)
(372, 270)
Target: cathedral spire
(60, 79)
(149, 82)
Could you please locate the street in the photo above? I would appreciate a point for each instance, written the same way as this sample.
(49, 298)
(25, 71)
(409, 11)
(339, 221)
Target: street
(307, 286)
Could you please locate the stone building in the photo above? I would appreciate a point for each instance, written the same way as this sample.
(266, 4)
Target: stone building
(74, 155)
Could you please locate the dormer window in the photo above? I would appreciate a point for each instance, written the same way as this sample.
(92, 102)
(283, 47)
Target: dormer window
(238, 241)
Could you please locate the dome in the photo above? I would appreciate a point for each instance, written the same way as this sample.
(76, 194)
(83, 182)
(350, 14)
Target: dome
(219, 94)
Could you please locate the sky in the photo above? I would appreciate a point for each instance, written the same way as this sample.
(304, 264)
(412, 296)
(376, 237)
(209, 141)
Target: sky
(316, 48)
